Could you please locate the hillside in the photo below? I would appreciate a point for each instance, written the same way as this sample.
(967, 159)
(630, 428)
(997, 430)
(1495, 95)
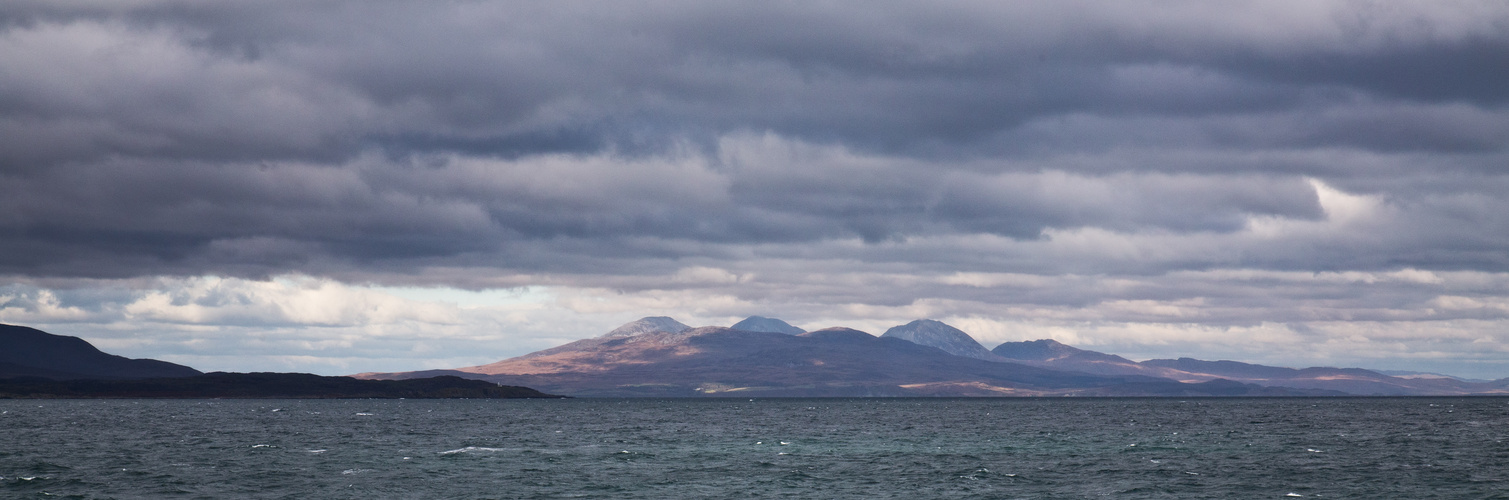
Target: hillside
(718, 361)
(37, 364)
(28, 352)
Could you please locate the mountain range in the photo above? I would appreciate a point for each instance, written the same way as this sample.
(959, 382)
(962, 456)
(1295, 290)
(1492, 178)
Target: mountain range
(760, 356)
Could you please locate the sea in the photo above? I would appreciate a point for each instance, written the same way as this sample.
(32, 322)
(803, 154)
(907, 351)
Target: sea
(1409, 448)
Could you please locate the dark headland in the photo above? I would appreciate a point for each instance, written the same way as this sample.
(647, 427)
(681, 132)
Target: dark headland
(262, 386)
(37, 364)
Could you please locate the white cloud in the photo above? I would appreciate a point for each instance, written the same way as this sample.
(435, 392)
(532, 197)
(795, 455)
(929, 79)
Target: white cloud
(1342, 207)
(38, 306)
(701, 275)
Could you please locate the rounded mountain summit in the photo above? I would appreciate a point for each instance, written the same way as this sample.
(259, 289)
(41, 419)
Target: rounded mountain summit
(764, 324)
(938, 334)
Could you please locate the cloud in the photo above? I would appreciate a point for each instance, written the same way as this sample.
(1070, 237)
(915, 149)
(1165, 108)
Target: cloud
(288, 79)
(1147, 173)
(312, 324)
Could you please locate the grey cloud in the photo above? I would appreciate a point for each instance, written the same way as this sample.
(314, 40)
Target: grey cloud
(603, 214)
(1020, 205)
(257, 138)
(324, 78)
(1466, 70)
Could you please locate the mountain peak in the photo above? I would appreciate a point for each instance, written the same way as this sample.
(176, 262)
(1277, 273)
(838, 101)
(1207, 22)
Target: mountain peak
(938, 334)
(837, 334)
(648, 325)
(764, 324)
(1035, 350)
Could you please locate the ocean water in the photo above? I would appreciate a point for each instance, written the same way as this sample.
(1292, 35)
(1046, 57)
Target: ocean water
(763, 448)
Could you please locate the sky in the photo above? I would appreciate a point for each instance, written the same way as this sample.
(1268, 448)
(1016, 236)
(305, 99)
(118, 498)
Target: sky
(347, 186)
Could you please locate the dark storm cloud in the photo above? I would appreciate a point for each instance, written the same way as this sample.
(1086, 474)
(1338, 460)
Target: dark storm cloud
(258, 138)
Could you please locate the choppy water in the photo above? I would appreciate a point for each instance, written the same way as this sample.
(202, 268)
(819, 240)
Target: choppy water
(800, 448)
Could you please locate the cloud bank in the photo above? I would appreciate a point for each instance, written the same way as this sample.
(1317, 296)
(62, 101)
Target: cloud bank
(1283, 182)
